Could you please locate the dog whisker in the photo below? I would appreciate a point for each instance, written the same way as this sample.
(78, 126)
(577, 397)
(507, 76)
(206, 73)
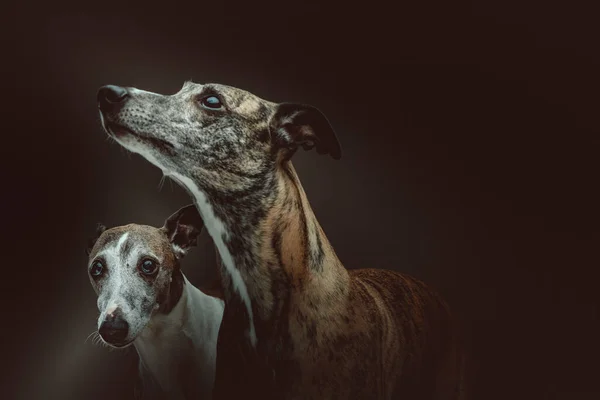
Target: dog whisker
(96, 339)
(90, 336)
(161, 182)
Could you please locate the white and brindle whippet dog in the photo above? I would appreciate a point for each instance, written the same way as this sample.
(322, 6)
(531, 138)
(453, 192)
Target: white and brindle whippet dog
(297, 324)
(145, 299)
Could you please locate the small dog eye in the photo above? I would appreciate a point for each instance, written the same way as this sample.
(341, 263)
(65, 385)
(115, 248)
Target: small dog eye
(97, 268)
(148, 267)
(211, 102)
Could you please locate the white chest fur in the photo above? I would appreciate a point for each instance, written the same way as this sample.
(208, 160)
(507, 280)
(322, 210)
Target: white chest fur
(179, 349)
(218, 232)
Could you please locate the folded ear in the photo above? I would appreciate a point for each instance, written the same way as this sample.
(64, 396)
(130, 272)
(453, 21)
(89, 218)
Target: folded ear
(295, 125)
(100, 228)
(182, 228)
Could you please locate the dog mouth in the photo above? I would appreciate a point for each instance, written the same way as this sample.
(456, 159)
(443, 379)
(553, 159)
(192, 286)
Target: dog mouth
(118, 345)
(119, 131)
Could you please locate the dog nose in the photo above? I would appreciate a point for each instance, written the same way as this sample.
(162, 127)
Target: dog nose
(110, 95)
(114, 329)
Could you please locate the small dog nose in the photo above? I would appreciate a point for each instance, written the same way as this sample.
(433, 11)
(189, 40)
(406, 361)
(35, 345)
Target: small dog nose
(110, 95)
(114, 329)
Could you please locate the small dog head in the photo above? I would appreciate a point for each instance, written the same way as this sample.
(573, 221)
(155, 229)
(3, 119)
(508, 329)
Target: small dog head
(135, 272)
(219, 136)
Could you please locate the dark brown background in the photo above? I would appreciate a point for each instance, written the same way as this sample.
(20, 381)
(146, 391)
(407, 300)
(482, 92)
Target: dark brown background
(470, 136)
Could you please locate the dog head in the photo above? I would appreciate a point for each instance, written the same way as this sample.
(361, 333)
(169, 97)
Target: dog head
(135, 272)
(220, 137)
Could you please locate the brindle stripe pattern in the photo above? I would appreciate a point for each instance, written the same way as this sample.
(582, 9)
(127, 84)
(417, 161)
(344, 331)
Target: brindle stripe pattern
(312, 351)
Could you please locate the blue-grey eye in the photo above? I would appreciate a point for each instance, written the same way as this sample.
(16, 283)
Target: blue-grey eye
(148, 266)
(97, 268)
(211, 102)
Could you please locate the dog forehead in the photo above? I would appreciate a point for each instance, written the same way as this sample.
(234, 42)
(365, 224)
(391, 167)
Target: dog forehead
(230, 91)
(133, 235)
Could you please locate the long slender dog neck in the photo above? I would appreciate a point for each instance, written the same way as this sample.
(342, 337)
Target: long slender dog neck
(276, 245)
(295, 255)
(294, 240)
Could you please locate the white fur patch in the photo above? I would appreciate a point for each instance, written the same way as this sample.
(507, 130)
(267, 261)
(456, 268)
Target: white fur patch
(161, 342)
(217, 231)
(121, 242)
(178, 250)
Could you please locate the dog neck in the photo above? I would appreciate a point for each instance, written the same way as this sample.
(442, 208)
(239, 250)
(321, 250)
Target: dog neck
(167, 319)
(187, 335)
(294, 251)
(272, 248)
(193, 311)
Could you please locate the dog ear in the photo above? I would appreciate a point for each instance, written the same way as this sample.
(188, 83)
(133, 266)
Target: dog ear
(100, 228)
(182, 228)
(295, 125)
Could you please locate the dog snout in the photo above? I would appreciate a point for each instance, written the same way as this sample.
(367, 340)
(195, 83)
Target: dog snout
(110, 96)
(114, 329)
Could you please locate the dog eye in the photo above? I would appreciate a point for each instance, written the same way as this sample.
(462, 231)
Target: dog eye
(148, 267)
(97, 268)
(211, 102)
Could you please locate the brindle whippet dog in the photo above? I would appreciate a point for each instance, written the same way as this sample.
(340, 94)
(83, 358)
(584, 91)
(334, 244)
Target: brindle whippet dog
(145, 299)
(297, 324)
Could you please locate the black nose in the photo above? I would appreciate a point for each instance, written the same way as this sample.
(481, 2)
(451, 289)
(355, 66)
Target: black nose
(110, 95)
(114, 330)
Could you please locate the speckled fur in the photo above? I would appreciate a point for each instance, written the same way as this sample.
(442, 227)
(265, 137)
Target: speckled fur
(323, 332)
(137, 296)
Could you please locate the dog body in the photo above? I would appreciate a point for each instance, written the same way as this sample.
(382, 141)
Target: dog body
(145, 300)
(296, 324)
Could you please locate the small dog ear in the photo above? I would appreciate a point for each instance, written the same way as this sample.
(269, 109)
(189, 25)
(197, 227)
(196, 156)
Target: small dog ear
(100, 228)
(295, 125)
(182, 228)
